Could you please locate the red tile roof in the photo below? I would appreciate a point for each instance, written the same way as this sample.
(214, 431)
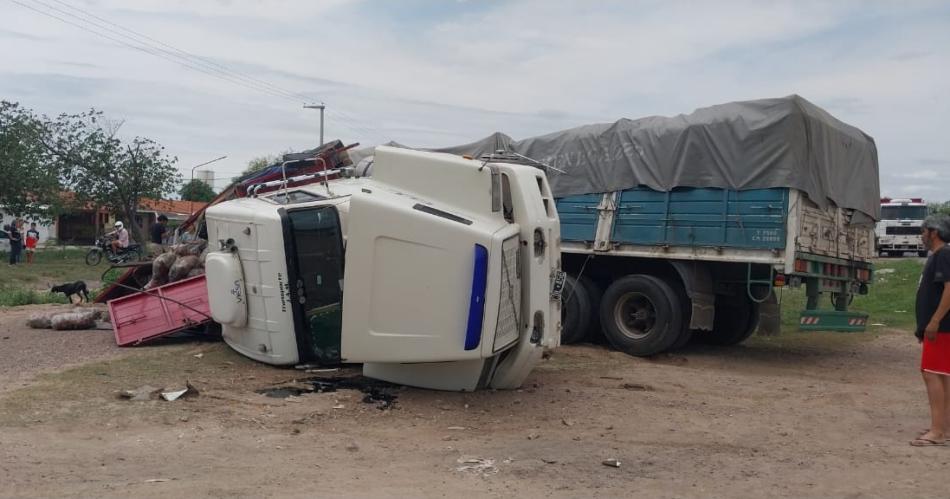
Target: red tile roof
(171, 205)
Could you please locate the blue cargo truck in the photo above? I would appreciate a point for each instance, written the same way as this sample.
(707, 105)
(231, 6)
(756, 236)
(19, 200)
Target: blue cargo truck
(654, 269)
(683, 227)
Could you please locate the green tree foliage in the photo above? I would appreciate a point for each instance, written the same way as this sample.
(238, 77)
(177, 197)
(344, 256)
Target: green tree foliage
(197, 190)
(255, 165)
(29, 185)
(939, 208)
(105, 171)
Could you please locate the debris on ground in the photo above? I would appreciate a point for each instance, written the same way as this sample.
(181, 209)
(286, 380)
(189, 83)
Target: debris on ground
(39, 321)
(142, 393)
(77, 318)
(478, 465)
(374, 391)
(85, 319)
(637, 387)
(612, 463)
(176, 393)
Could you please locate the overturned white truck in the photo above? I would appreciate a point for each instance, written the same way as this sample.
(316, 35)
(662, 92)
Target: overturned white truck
(438, 272)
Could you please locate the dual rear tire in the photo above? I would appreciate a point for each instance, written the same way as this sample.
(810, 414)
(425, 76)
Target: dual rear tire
(644, 315)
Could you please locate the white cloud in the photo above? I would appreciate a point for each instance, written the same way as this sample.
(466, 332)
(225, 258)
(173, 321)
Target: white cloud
(440, 73)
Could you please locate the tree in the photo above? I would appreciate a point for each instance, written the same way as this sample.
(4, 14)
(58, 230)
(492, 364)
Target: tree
(30, 186)
(197, 190)
(104, 171)
(939, 208)
(255, 165)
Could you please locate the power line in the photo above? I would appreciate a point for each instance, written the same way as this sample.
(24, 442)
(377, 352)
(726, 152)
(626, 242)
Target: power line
(191, 61)
(140, 48)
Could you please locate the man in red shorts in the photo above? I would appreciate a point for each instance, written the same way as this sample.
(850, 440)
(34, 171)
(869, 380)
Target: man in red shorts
(933, 329)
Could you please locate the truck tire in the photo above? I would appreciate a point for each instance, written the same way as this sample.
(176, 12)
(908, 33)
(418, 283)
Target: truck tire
(735, 321)
(922, 254)
(595, 294)
(687, 310)
(641, 315)
(576, 313)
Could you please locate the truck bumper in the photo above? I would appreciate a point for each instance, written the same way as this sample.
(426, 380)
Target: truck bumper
(832, 320)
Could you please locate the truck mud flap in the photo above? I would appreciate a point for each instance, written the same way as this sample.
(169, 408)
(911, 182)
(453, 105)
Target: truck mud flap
(832, 320)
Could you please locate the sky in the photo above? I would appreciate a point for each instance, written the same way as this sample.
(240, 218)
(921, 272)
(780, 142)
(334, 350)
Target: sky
(230, 77)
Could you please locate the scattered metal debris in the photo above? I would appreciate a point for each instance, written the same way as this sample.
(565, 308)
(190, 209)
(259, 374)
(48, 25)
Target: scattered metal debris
(478, 465)
(177, 393)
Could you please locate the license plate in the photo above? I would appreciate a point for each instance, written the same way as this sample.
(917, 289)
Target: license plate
(557, 284)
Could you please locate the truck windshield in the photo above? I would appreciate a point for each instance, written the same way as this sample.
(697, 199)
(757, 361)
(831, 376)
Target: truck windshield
(315, 264)
(903, 212)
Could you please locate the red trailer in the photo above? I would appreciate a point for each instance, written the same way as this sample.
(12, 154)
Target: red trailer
(161, 311)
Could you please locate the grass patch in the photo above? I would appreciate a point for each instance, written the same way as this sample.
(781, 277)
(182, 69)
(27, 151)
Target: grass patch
(27, 284)
(14, 297)
(890, 300)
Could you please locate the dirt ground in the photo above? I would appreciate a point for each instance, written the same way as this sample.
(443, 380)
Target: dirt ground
(820, 415)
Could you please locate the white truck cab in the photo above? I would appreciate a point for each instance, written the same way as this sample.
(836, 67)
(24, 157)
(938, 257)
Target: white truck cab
(898, 230)
(438, 272)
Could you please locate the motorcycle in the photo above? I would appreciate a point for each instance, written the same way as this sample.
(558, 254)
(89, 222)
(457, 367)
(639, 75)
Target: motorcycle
(103, 247)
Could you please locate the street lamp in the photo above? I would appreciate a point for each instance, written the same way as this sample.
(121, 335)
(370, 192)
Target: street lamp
(191, 207)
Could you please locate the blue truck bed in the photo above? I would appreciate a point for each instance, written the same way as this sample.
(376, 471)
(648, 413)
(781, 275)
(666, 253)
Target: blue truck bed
(709, 217)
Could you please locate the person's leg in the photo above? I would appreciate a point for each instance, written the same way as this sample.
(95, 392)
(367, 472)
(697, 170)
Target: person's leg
(29, 257)
(936, 395)
(946, 404)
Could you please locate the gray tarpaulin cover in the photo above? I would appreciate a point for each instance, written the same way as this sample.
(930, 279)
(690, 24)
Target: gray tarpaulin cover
(782, 142)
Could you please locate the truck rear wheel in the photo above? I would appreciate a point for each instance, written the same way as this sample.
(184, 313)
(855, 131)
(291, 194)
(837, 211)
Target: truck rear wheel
(735, 321)
(641, 315)
(922, 254)
(576, 312)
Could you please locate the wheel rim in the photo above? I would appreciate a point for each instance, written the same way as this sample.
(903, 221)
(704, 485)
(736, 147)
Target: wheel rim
(635, 315)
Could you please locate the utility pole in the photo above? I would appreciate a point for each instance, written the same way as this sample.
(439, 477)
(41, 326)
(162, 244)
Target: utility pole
(321, 107)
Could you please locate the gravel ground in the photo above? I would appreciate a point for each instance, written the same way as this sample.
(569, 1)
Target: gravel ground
(26, 352)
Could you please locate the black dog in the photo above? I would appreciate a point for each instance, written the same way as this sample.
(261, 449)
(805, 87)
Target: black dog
(77, 288)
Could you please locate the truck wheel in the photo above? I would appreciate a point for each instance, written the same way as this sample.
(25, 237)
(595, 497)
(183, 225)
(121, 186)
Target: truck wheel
(687, 310)
(735, 321)
(641, 315)
(595, 295)
(575, 311)
(922, 254)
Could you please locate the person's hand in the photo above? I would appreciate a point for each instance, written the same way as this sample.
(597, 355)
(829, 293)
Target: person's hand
(930, 333)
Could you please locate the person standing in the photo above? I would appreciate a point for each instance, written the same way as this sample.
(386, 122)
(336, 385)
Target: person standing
(158, 230)
(16, 242)
(32, 239)
(933, 329)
